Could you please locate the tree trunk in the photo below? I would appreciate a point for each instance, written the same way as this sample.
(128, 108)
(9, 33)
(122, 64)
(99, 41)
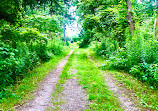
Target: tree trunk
(156, 21)
(155, 28)
(51, 2)
(65, 33)
(129, 16)
(25, 6)
(44, 6)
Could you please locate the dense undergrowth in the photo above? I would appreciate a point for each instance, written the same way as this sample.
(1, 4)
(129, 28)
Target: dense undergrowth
(124, 33)
(138, 56)
(19, 93)
(32, 41)
(22, 48)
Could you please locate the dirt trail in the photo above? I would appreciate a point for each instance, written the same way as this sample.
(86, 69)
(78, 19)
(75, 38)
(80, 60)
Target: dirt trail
(75, 98)
(126, 102)
(43, 94)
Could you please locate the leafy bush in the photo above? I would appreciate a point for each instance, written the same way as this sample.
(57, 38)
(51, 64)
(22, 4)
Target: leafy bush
(107, 47)
(45, 24)
(29, 35)
(146, 73)
(36, 42)
(56, 47)
(42, 51)
(6, 60)
(10, 35)
(12, 66)
(11, 11)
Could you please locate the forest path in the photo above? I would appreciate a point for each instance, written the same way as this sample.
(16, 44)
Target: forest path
(42, 95)
(62, 91)
(125, 97)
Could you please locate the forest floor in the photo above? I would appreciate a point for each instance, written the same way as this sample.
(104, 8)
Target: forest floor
(78, 84)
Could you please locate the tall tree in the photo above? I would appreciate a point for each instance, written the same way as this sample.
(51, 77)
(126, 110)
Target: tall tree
(155, 27)
(129, 16)
(156, 21)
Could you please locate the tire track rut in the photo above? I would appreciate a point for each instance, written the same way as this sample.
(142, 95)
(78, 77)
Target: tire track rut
(125, 102)
(42, 95)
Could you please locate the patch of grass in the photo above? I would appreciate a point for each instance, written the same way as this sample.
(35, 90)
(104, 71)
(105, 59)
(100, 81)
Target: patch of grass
(148, 97)
(58, 103)
(93, 81)
(22, 91)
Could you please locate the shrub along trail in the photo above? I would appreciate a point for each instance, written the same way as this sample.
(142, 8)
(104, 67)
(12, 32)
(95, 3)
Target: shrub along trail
(43, 94)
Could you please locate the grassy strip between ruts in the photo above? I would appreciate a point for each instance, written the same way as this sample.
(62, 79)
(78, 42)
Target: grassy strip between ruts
(102, 99)
(148, 97)
(21, 92)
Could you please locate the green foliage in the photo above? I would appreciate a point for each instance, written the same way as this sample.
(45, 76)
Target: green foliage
(146, 73)
(9, 34)
(11, 10)
(56, 47)
(139, 57)
(106, 19)
(15, 94)
(106, 48)
(24, 48)
(75, 39)
(87, 33)
(86, 39)
(107, 22)
(29, 35)
(42, 51)
(45, 24)
(13, 67)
